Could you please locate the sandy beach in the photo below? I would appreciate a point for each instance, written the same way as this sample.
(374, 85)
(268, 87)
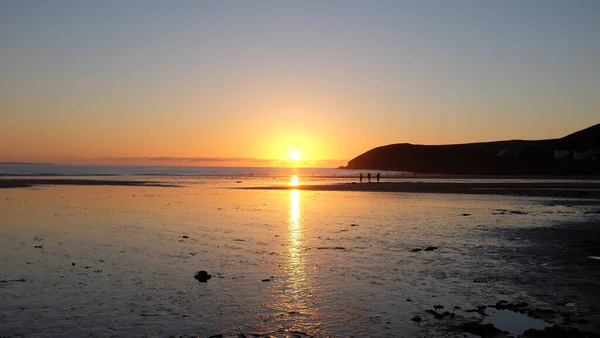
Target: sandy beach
(8, 183)
(120, 260)
(468, 185)
(548, 189)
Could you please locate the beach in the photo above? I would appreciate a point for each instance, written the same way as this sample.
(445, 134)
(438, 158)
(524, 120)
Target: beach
(87, 258)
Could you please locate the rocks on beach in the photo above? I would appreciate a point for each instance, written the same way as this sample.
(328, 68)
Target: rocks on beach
(493, 319)
(427, 248)
(202, 276)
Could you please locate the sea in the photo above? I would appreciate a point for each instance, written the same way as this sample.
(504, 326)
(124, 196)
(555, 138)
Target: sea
(116, 261)
(190, 171)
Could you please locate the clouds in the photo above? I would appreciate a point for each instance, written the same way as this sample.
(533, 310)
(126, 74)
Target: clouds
(219, 161)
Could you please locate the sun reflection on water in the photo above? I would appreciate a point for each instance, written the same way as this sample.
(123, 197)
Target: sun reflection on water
(294, 181)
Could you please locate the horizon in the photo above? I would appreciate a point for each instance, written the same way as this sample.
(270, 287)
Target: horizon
(301, 83)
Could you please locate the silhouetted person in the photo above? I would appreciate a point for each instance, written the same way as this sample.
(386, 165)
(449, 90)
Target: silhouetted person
(369, 177)
(360, 177)
(378, 175)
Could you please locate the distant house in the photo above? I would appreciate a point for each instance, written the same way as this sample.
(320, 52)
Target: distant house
(560, 154)
(585, 155)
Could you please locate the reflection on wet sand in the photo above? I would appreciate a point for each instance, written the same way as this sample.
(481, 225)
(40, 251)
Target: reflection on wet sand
(295, 294)
(298, 294)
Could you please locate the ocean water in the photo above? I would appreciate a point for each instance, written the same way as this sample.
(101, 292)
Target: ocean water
(108, 261)
(198, 171)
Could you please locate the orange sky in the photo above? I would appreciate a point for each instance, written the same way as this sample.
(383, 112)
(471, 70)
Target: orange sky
(247, 84)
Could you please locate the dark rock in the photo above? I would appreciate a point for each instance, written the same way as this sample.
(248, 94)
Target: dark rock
(219, 335)
(484, 331)
(438, 307)
(408, 300)
(185, 236)
(266, 280)
(353, 225)
(416, 319)
(557, 331)
(38, 246)
(416, 250)
(430, 248)
(202, 276)
(72, 264)
(466, 214)
(13, 280)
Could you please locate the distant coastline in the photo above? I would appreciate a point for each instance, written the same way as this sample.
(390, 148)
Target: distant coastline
(24, 163)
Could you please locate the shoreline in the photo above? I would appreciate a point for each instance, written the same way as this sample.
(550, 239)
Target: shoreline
(560, 189)
(588, 190)
(11, 183)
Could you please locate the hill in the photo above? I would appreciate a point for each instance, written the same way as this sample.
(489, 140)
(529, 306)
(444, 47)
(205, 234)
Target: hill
(576, 153)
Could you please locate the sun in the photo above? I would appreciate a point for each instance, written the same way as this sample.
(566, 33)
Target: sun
(294, 155)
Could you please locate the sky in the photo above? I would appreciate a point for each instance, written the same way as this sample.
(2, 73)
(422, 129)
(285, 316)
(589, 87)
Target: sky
(245, 82)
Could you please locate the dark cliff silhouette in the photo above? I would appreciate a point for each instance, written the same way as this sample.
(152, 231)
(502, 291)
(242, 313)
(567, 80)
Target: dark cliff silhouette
(575, 154)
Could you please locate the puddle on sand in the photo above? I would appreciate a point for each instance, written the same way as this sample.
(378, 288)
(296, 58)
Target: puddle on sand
(513, 322)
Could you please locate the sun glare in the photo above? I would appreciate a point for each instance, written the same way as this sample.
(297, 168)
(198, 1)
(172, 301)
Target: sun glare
(294, 155)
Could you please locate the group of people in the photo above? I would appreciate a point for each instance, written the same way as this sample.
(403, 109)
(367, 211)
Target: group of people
(369, 177)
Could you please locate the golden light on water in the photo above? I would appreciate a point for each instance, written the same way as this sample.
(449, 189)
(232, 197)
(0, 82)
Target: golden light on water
(294, 181)
(295, 212)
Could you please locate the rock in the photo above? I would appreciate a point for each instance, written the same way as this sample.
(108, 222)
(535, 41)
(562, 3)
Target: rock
(484, 331)
(38, 246)
(353, 225)
(202, 276)
(72, 264)
(219, 335)
(430, 248)
(266, 280)
(416, 319)
(557, 331)
(438, 307)
(408, 300)
(466, 214)
(416, 250)
(22, 280)
(185, 236)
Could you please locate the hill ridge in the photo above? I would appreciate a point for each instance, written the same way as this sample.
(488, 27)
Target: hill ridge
(575, 153)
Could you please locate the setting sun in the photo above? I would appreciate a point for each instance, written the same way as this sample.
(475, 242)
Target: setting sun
(294, 155)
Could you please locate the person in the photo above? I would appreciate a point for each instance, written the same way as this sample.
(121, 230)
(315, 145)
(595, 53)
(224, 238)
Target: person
(360, 177)
(378, 177)
(369, 177)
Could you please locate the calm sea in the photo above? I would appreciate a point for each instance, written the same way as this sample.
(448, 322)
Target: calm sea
(89, 170)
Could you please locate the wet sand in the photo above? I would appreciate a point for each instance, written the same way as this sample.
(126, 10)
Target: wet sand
(30, 182)
(546, 189)
(120, 261)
